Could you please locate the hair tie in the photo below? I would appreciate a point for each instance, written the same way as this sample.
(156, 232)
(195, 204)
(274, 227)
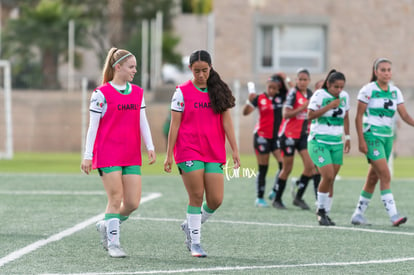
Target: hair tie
(122, 58)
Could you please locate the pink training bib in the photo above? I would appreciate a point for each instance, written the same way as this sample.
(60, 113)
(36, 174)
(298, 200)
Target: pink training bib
(118, 140)
(201, 134)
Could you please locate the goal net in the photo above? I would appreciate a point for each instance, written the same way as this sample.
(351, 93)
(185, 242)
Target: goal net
(6, 132)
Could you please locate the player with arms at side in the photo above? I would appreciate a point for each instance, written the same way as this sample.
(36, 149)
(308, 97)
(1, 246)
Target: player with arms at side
(200, 122)
(378, 102)
(293, 136)
(113, 144)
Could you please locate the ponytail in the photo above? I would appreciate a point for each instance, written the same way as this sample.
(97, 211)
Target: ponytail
(220, 95)
(332, 76)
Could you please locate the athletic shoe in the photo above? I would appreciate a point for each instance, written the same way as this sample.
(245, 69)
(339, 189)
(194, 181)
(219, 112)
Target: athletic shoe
(359, 219)
(261, 203)
(101, 228)
(197, 251)
(330, 221)
(397, 220)
(115, 251)
(272, 195)
(322, 218)
(301, 203)
(186, 230)
(278, 205)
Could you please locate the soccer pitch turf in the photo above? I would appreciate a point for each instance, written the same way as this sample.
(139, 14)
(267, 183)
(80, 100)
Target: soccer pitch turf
(48, 227)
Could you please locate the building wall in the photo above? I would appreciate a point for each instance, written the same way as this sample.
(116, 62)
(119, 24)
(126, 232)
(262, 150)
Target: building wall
(359, 32)
(52, 122)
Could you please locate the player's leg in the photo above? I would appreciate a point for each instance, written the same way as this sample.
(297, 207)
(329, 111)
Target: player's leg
(192, 173)
(262, 149)
(278, 156)
(302, 183)
(131, 179)
(112, 181)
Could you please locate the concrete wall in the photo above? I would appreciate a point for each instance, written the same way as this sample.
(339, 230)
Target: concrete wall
(52, 122)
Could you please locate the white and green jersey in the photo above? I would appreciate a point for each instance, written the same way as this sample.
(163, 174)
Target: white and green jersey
(329, 127)
(381, 107)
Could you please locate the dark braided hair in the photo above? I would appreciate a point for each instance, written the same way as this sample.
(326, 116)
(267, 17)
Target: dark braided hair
(220, 95)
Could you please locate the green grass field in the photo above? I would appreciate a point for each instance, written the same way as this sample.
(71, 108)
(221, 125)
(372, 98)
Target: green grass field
(48, 214)
(69, 163)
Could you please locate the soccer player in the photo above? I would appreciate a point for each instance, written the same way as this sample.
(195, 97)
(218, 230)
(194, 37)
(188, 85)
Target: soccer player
(378, 102)
(293, 135)
(113, 143)
(269, 105)
(328, 110)
(200, 122)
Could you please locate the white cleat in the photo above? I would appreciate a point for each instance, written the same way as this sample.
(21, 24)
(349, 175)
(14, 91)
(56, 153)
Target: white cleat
(115, 251)
(101, 228)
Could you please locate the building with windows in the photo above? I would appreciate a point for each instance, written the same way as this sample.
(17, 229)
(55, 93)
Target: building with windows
(255, 38)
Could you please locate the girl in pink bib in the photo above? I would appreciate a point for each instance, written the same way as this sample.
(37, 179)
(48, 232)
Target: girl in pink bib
(113, 144)
(200, 122)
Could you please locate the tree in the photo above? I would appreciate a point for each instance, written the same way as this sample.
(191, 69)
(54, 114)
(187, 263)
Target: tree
(41, 34)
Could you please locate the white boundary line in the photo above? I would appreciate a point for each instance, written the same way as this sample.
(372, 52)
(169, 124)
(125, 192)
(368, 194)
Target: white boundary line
(65, 233)
(363, 229)
(52, 192)
(241, 268)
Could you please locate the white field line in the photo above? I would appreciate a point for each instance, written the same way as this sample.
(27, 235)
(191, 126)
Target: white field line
(257, 267)
(242, 268)
(363, 229)
(65, 233)
(52, 192)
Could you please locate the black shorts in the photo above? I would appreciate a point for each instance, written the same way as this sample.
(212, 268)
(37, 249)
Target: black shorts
(265, 145)
(288, 145)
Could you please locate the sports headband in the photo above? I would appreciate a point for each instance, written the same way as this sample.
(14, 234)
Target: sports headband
(122, 58)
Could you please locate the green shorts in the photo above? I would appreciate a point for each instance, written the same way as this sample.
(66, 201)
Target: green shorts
(378, 147)
(323, 154)
(126, 170)
(192, 165)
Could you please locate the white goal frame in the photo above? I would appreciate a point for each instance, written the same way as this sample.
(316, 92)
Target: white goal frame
(6, 152)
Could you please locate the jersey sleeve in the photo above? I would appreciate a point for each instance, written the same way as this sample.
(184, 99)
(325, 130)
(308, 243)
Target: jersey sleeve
(400, 98)
(98, 102)
(255, 101)
(290, 99)
(177, 103)
(315, 101)
(364, 94)
(143, 106)
(347, 103)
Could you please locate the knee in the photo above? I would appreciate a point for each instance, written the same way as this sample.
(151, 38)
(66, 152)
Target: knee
(213, 204)
(196, 199)
(131, 206)
(114, 203)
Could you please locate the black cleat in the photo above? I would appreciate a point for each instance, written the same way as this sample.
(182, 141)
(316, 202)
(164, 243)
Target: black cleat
(322, 218)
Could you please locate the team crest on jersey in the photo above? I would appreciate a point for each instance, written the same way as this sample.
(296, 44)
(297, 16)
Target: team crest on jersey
(342, 102)
(189, 163)
(376, 152)
(394, 94)
(321, 159)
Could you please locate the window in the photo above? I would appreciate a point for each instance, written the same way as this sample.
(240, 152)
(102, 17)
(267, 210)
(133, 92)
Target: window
(288, 47)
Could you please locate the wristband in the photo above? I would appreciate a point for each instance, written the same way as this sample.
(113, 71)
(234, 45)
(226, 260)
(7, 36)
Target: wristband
(347, 137)
(251, 87)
